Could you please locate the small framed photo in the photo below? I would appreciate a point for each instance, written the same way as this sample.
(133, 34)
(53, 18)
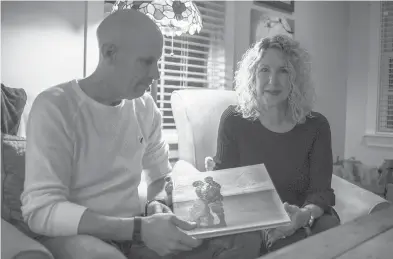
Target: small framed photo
(263, 24)
(284, 6)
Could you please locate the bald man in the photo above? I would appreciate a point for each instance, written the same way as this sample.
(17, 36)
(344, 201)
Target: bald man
(88, 141)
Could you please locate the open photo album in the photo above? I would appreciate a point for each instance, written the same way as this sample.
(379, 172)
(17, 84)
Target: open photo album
(225, 202)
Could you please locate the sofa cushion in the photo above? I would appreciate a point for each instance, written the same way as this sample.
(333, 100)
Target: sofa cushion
(15, 244)
(13, 176)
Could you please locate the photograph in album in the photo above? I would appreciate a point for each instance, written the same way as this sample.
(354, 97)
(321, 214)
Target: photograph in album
(229, 201)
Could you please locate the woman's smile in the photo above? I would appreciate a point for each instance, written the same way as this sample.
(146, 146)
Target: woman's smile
(273, 92)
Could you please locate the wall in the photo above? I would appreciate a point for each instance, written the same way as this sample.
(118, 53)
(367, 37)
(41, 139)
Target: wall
(359, 48)
(42, 43)
(95, 14)
(321, 27)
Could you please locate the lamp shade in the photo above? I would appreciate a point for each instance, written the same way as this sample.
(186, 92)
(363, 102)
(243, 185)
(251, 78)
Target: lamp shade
(174, 17)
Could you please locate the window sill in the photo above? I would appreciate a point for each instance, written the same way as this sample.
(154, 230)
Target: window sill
(379, 140)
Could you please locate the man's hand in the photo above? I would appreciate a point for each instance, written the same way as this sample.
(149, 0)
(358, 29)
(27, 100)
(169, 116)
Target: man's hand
(157, 207)
(163, 233)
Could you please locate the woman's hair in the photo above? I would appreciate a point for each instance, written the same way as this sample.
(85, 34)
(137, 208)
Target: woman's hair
(302, 94)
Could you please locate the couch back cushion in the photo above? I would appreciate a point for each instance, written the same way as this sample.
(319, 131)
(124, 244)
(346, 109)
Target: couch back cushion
(12, 178)
(196, 113)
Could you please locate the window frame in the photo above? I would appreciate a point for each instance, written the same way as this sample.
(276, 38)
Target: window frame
(372, 137)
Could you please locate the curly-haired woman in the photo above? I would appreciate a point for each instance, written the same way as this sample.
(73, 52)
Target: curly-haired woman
(274, 124)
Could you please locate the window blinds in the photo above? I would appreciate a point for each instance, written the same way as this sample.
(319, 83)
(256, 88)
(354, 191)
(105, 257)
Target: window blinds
(385, 107)
(196, 61)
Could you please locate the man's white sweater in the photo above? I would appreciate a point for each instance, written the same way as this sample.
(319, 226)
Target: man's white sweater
(82, 154)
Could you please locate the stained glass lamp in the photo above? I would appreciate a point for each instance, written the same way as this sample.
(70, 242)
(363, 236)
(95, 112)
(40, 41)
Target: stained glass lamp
(174, 17)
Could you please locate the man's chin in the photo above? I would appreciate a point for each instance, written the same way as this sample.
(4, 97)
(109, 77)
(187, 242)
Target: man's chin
(143, 90)
(136, 94)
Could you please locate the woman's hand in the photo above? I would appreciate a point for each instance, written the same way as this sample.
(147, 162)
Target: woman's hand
(299, 218)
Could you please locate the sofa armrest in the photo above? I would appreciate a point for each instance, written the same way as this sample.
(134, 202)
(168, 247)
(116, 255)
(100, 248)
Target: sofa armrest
(353, 201)
(16, 245)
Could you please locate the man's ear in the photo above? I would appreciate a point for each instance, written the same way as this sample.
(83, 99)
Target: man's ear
(109, 51)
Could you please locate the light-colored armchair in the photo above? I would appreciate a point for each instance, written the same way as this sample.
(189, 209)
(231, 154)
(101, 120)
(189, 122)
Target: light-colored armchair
(197, 115)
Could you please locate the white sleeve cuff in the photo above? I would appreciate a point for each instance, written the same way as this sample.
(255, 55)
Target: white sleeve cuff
(65, 218)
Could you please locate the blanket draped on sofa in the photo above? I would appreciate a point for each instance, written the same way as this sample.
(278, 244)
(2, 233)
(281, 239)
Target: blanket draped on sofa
(13, 101)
